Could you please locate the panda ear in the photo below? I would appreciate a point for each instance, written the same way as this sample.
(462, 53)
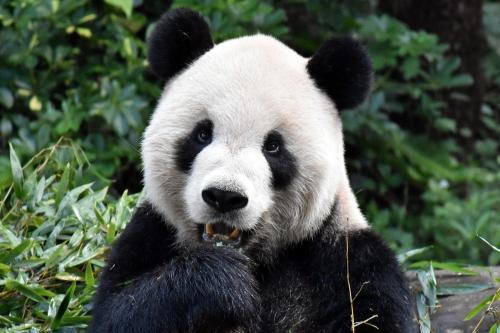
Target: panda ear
(342, 69)
(179, 37)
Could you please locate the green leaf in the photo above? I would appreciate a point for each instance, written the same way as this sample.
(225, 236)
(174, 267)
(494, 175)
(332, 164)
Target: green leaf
(9, 235)
(403, 257)
(410, 67)
(89, 276)
(76, 320)
(12, 254)
(457, 268)
(4, 269)
(424, 317)
(84, 32)
(111, 233)
(480, 306)
(125, 5)
(121, 210)
(491, 245)
(25, 290)
(6, 97)
(428, 282)
(462, 80)
(65, 276)
(63, 307)
(17, 173)
(63, 184)
(461, 288)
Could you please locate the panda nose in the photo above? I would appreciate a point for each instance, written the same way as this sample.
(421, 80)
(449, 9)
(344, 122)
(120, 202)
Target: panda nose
(223, 201)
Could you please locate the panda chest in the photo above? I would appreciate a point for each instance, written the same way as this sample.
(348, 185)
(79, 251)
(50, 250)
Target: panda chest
(288, 300)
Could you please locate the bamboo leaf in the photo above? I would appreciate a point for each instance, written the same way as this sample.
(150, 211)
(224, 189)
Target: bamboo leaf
(461, 288)
(24, 290)
(125, 5)
(89, 276)
(63, 307)
(479, 307)
(491, 245)
(17, 173)
(12, 254)
(63, 184)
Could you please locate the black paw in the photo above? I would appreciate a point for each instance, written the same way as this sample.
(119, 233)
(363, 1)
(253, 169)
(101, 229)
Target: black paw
(215, 287)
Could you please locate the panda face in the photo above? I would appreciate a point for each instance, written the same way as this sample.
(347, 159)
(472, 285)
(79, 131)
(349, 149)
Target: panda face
(243, 138)
(245, 145)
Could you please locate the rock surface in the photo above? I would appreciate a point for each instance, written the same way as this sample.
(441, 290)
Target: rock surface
(452, 309)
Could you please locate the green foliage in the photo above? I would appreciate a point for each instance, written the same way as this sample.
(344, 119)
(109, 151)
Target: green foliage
(416, 184)
(74, 68)
(77, 68)
(54, 232)
(231, 18)
(427, 301)
(74, 79)
(442, 201)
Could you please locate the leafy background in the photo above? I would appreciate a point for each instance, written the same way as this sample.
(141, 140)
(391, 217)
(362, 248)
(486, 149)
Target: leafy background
(76, 94)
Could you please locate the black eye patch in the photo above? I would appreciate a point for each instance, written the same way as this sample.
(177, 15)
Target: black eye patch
(281, 162)
(190, 146)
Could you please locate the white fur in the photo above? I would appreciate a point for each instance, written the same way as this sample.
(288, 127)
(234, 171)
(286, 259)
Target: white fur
(248, 87)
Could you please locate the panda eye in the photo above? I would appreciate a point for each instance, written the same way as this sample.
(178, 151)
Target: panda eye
(272, 147)
(202, 133)
(204, 136)
(273, 143)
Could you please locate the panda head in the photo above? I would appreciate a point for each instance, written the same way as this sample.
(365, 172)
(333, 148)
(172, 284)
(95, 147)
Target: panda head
(245, 145)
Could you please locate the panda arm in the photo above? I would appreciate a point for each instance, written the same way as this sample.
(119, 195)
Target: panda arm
(378, 286)
(149, 285)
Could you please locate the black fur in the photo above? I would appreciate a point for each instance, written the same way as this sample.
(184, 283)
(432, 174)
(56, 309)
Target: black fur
(149, 285)
(282, 164)
(189, 147)
(179, 37)
(342, 68)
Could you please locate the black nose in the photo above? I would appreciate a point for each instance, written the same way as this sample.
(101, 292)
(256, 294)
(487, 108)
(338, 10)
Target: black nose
(224, 201)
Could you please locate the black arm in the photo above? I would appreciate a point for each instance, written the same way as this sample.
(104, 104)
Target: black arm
(150, 285)
(378, 287)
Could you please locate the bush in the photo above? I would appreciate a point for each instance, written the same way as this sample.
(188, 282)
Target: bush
(75, 79)
(54, 234)
(77, 69)
(415, 182)
(75, 95)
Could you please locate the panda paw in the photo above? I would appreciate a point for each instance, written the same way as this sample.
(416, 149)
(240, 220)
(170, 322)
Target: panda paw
(219, 290)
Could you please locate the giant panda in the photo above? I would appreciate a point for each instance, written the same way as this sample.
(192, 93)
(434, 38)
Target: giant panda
(249, 223)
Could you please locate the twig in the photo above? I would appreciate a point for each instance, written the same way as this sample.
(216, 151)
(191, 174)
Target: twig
(366, 322)
(493, 300)
(5, 197)
(359, 291)
(353, 324)
(52, 150)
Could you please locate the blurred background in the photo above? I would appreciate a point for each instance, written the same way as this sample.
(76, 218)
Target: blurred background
(75, 96)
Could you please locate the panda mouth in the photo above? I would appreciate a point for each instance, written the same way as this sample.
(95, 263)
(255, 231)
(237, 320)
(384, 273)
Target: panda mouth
(221, 233)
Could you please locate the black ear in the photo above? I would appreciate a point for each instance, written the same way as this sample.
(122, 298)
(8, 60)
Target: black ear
(179, 37)
(342, 68)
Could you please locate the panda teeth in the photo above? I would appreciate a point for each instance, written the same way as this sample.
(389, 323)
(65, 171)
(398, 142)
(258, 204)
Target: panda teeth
(234, 234)
(209, 230)
(211, 233)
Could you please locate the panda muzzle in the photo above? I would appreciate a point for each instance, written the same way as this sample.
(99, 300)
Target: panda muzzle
(221, 232)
